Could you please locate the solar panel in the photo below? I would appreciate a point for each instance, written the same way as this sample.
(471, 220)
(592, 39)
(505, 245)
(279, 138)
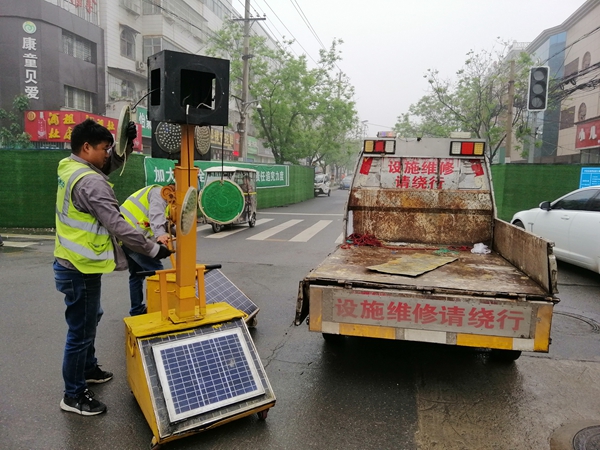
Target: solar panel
(219, 288)
(203, 373)
(198, 420)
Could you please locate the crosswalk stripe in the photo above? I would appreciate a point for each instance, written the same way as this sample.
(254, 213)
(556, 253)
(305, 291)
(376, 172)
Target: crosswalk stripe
(311, 231)
(271, 231)
(202, 227)
(223, 234)
(19, 244)
(340, 239)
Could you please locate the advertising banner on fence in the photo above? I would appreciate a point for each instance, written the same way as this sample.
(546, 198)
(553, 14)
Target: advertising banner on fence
(162, 171)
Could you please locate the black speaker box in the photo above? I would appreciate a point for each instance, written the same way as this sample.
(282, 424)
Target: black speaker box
(187, 88)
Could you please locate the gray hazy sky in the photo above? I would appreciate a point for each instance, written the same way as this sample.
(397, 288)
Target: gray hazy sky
(390, 44)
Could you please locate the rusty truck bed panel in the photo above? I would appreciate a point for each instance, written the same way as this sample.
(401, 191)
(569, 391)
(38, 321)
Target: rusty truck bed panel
(483, 274)
(450, 217)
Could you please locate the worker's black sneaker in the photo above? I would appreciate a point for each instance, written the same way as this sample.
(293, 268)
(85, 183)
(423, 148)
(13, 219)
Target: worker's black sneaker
(83, 404)
(97, 376)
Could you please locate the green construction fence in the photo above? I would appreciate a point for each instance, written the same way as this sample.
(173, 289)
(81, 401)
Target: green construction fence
(28, 187)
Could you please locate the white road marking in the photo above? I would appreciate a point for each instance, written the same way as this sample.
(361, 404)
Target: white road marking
(311, 231)
(340, 239)
(237, 229)
(18, 244)
(271, 231)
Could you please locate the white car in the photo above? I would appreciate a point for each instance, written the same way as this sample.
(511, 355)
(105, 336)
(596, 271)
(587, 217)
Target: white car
(572, 222)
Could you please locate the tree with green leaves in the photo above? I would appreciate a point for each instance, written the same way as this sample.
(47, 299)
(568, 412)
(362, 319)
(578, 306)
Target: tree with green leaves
(476, 101)
(12, 134)
(305, 112)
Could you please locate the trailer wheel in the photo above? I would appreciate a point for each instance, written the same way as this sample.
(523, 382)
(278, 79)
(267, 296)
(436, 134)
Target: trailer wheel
(216, 227)
(333, 338)
(505, 356)
(262, 415)
(252, 220)
(518, 223)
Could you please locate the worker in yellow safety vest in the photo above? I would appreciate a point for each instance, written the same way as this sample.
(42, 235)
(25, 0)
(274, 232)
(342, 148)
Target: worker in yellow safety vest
(147, 211)
(89, 227)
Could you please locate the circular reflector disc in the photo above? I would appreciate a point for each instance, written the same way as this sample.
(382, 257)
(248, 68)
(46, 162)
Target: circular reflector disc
(121, 138)
(221, 201)
(202, 138)
(189, 208)
(168, 137)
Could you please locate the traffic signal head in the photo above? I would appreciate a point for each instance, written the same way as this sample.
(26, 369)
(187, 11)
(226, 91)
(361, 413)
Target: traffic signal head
(537, 98)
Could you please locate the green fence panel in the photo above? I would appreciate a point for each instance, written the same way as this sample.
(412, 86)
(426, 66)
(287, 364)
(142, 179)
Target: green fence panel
(28, 186)
(525, 186)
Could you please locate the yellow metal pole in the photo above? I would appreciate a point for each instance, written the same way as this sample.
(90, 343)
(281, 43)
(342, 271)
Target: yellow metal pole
(186, 175)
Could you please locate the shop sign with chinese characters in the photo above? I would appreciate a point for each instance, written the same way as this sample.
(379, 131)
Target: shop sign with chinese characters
(588, 134)
(30, 61)
(493, 318)
(57, 126)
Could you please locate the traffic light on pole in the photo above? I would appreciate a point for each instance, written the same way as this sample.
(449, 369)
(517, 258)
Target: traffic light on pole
(537, 98)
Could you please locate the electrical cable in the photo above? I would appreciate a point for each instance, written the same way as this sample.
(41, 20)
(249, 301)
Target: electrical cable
(291, 34)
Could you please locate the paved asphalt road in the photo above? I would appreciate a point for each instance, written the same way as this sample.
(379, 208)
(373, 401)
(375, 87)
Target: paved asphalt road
(364, 394)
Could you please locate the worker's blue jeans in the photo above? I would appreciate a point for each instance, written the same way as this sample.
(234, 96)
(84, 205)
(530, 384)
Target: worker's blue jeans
(138, 263)
(82, 297)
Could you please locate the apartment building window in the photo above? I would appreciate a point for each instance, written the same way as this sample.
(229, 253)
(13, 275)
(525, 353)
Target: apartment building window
(77, 47)
(151, 7)
(128, 43)
(78, 99)
(132, 6)
(582, 112)
(586, 61)
(153, 44)
(217, 8)
(119, 89)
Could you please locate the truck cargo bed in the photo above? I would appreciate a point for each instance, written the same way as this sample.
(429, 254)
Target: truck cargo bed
(472, 274)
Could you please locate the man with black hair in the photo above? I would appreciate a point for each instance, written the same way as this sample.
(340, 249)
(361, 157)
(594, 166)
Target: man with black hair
(89, 227)
(147, 211)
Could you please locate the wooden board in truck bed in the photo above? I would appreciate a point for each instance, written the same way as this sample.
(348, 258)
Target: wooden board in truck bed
(471, 274)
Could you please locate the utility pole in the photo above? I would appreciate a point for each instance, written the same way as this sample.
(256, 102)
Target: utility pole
(242, 128)
(531, 156)
(509, 112)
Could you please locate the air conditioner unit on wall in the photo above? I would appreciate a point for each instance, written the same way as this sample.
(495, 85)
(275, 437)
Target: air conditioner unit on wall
(140, 66)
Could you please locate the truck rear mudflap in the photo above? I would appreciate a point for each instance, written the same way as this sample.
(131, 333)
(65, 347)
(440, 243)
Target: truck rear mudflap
(486, 322)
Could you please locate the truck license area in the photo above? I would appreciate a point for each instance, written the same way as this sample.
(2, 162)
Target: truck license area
(457, 315)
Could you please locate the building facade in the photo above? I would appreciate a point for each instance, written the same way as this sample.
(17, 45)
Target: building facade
(568, 131)
(54, 56)
(91, 55)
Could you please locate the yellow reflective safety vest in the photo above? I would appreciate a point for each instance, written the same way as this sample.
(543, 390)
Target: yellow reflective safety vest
(80, 238)
(136, 210)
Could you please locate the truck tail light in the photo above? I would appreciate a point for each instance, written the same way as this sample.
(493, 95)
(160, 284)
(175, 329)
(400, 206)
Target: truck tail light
(467, 148)
(380, 146)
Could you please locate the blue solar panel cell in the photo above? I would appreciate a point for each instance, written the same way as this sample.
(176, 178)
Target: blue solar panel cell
(219, 288)
(206, 372)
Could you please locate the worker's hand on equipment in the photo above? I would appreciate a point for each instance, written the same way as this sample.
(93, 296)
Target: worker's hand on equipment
(163, 239)
(131, 131)
(163, 252)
